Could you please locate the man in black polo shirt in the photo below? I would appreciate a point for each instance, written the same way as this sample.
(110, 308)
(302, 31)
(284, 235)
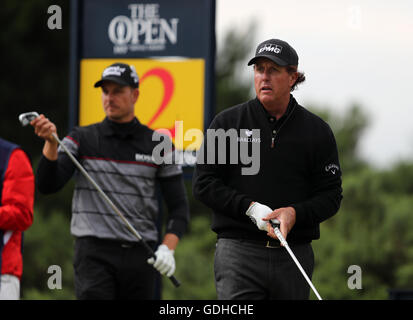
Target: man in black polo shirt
(294, 177)
(109, 263)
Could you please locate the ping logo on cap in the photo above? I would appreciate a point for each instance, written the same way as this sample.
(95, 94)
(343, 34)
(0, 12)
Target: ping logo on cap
(113, 71)
(121, 73)
(270, 48)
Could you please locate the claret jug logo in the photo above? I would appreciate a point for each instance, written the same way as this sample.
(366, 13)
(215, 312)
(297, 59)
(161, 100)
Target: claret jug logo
(144, 30)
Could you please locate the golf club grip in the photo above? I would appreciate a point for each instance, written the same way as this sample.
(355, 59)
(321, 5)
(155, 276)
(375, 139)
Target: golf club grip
(175, 281)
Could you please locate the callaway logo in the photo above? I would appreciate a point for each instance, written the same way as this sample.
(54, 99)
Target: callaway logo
(271, 48)
(113, 71)
(333, 168)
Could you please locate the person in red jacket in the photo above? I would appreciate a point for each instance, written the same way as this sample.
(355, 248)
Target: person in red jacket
(16, 215)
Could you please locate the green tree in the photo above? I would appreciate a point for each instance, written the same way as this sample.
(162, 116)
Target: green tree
(48, 243)
(35, 76)
(372, 229)
(231, 61)
(36, 68)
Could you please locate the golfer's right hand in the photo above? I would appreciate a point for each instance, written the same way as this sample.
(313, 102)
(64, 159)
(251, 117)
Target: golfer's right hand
(44, 128)
(165, 261)
(257, 212)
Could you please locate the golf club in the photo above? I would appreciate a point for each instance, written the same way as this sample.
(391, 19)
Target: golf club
(26, 118)
(276, 224)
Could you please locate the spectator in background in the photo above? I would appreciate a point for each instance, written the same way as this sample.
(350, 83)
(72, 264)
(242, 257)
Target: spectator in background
(16, 215)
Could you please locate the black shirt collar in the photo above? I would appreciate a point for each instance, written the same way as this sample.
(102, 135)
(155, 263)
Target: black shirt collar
(122, 130)
(272, 119)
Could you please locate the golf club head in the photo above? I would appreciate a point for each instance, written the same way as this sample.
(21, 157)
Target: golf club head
(26, 118)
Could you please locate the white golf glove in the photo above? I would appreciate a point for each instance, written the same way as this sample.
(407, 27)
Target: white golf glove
(165, 261)
(256, 212)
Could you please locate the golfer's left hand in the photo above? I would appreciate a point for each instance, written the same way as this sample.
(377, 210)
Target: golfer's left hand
(165, 261)
(286, 216)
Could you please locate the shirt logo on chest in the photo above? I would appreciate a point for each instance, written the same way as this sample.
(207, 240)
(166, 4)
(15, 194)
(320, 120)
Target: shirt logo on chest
(333, 168)
(144, 158)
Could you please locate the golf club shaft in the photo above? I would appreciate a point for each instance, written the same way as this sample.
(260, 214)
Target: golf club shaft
(111, 204)
(285, 244)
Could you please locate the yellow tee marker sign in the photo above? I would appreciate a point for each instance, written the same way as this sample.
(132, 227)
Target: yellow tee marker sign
(169, 91)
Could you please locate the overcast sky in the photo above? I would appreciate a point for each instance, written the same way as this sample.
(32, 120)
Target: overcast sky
(351, 51)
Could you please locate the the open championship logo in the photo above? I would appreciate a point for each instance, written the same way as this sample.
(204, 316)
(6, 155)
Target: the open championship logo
(144, 30)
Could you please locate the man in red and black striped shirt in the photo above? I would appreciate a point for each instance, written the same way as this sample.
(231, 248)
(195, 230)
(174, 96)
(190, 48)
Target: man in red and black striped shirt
(109, 263)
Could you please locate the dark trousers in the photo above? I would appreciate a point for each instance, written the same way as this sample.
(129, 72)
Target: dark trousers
(106, 269)
(247, 270)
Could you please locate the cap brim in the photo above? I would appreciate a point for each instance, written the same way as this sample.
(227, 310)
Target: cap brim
(276, 60)
(112, 79)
